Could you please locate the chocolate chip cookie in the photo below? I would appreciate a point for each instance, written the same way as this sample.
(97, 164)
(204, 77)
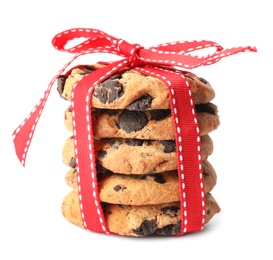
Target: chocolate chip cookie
(135, 156)
(132, 90)
(144, 189)
(150, 124)
(138, 221)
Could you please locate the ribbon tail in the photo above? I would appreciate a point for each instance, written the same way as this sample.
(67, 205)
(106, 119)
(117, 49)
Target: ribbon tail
(211, 59)
(22, 136)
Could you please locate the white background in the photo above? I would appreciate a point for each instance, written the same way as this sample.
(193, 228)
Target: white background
(31, 223)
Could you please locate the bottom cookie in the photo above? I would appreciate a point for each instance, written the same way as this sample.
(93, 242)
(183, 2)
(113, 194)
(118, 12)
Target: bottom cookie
(138, 221)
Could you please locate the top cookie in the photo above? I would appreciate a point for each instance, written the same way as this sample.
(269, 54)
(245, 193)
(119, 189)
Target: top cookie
(132, 90)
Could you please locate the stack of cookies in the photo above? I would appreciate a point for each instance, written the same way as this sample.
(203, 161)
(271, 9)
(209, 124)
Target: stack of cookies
(135, 151)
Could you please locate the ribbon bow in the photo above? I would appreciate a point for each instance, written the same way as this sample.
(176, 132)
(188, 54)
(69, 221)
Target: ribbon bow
(171, 55)
(160, 61)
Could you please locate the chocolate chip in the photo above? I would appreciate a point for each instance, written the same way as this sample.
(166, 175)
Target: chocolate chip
(189, 77)
(132, 121)
(170, 229)
(72, 162)
(61, 81)
(87, 69)
(102, 153)
(160, 114)
(147, 227)
(206, 174)
(108, 91)
(169, 146)
(203, 80)
(118, 188)
(141, 104)
(207, 108)
(159, 179)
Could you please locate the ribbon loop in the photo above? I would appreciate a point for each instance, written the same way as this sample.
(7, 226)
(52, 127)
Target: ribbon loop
(187, 46)
(94, 38)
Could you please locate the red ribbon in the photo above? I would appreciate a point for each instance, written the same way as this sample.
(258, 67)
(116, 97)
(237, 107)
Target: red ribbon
(160, 61)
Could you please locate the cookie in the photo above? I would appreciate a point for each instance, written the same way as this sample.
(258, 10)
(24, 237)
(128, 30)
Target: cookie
(143, 189)
(160, 219)
(135, 156)
(132, 90)
(150, 124)
(138, 221)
